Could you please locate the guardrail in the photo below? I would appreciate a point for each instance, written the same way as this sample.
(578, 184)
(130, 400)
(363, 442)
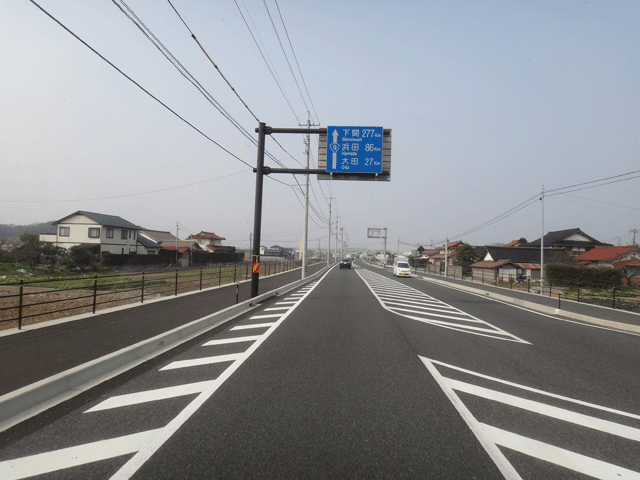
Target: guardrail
(50, 299)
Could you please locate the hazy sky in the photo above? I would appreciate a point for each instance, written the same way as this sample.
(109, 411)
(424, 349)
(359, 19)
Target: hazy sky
(488, 101)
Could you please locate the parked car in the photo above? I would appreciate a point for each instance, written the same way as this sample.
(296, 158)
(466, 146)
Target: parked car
(345, 263)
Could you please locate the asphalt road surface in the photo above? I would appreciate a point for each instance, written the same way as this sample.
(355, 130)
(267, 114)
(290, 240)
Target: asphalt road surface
(358, 375)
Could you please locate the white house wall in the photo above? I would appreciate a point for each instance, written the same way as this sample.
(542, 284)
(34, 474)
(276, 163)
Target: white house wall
(79, 226)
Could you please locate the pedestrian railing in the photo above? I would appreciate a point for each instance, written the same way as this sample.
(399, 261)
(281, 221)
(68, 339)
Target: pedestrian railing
(47, 299)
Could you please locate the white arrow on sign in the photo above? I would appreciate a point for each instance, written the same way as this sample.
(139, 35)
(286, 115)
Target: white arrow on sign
(335, 154)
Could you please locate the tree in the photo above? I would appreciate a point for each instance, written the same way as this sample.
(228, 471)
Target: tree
(79, 256)
(30, 250)
(522, 241)
(53, 256)
(465, 257)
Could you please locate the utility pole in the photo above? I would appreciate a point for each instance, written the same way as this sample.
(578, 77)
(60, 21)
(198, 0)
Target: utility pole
(329, 244)
(341, 242)
(336, 249)
(177, 233)
(257, 215)
(305, 235)
(634, 231)
(542, 246)
(446, 259)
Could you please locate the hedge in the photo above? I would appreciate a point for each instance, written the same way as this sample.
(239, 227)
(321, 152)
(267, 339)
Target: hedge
(559, 274)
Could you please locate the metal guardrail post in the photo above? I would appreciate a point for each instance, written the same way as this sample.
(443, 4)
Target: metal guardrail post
(578, 293)
(559, 294)
(219, 276)
(142, 290)
(237, 292)
(95, 292)
(614, 298)
(20, 305)
(201, 279)
(176, 292)
(235, 269)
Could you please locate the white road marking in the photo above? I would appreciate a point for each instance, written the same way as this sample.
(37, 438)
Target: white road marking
(194, 362)
(427, 309)
(268, 315)
(74, 456)
(256, 325)
(152, 395)
(559, 456)
(277, 308)
(139, 459)
(548, 410)
(494, 452)
(224, 341)
(535, 390)
(528, 446)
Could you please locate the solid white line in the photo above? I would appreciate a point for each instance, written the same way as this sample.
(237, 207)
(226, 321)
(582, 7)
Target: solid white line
(151, 395)
(202, 361)
(559, 456)
(74, 456)
(132, 466)
(256, 325)
(535, 390)
(548, 410)
(494, 452)
(224, 341)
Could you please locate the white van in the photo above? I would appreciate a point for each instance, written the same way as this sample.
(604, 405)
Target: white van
(401, 268)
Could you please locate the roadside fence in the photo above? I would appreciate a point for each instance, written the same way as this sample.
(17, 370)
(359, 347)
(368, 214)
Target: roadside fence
(28, 302)
(625, 297)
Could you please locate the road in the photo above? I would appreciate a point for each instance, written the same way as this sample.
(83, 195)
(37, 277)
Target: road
(358, 375)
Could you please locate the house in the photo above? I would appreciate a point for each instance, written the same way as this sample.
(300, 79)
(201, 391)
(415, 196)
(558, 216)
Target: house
(506, 263)
(163, 240)
(211, 242)
(110, 233)
(438, 257)
(608, 256)
(167, 241)
(574, 241)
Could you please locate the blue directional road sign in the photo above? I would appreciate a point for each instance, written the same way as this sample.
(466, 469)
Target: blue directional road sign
(354, 149)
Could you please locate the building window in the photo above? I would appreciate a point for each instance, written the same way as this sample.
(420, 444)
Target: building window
(94, 233)
(109, 232)
(123, 235)
(64, 231)
(129, 233)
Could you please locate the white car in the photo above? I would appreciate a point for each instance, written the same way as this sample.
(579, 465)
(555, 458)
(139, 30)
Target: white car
(401, 269)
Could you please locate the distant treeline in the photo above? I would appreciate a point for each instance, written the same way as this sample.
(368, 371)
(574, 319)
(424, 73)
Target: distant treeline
(13, 232)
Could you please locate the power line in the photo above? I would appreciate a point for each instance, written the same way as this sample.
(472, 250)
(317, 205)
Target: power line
(265, 61)
(593, 181)
(138, 85)
(296, 59)
(593, 186)
(285, 55)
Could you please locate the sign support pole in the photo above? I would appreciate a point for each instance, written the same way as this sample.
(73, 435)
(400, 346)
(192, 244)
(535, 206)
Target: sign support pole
(257, 218)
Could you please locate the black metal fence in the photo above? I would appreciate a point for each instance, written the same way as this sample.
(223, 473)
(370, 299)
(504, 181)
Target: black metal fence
(48, 299)
(626, 297)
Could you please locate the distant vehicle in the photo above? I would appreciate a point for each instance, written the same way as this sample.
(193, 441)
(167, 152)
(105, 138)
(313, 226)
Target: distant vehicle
(345, 263)
(401, 269)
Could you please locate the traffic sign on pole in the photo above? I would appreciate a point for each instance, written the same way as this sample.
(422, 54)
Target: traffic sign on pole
(354, 149)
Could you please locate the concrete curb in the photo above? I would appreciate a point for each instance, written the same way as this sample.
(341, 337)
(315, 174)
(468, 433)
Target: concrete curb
(626, 327)
(30, 400)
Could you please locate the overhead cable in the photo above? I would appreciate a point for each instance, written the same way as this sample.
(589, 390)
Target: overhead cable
(138, 85)
(296, 59)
